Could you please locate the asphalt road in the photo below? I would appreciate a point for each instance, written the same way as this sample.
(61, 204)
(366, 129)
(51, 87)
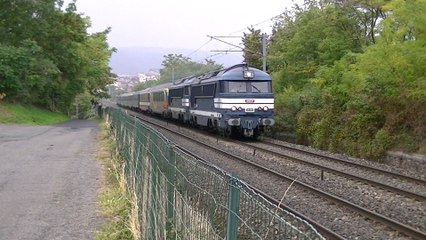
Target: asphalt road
(49, 180)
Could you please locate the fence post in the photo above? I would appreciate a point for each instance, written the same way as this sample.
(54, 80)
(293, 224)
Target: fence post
(233, 208)
(154, 188)
(171, 175)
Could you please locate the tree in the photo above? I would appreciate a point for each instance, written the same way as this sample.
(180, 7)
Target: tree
(348, 76)
(308, 37)
(24, 71)
(48, 56)
(369, 13)
(176, 66)
(96, 71)
(372, 101)
(252, 51)
(173, 67)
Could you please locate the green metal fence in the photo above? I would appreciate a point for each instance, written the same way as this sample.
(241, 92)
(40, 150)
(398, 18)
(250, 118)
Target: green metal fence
(176, 196)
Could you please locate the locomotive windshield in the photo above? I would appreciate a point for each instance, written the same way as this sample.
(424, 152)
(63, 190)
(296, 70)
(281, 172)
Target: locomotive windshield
(245, 87)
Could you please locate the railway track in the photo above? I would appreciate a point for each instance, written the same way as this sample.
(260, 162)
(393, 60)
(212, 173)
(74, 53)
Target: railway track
(348, 169)
(402, 228)
(352, 164)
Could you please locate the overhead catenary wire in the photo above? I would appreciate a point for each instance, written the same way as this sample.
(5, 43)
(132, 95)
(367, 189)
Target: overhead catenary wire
(198, 49)
(224, 52)
(257, 24)
(217, 54)
(231, 44)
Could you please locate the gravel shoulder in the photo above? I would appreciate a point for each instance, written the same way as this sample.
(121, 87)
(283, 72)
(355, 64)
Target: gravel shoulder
(49, 181)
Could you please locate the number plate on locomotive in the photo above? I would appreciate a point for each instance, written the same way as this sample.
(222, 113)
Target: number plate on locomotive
(249, 109)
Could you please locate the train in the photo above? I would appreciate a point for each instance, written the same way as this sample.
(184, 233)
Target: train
(234, 101)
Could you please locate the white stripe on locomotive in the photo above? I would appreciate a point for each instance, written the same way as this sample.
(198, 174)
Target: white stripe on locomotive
(254, 103)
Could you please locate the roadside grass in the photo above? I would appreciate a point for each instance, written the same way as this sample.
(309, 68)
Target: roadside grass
(25, 114)
(113, 200)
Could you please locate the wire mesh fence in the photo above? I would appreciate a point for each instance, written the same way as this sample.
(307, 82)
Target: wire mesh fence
(176, 196)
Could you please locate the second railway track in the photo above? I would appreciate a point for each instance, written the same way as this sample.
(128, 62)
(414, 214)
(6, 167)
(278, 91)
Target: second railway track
(346, 169)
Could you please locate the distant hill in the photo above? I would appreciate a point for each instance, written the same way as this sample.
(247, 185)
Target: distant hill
(134, 60)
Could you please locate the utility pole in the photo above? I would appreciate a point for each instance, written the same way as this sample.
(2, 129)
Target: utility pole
(264, 36)
(173, 74)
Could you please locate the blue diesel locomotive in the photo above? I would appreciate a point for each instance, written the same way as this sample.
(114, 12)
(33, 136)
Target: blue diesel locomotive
(233, 101)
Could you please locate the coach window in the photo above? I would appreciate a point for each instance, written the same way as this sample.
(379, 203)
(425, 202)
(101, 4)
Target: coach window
(260, 87)
(208, 90)
(236, 87)
(186, 91)
(233, 87)
(176, 93)
(144, 97)
(158, 97)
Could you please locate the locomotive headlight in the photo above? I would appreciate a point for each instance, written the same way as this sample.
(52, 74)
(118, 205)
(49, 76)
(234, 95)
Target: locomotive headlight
(233, 108)
(265, 108)
(248, 74)
(240, 108)
(259, 108)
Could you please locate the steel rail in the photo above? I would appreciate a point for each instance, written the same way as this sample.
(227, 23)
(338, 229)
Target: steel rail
(370, 168)
(414, 195)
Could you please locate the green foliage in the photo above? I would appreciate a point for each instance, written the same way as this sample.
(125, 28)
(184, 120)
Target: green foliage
(316, 118)
(176, 66)
(26, 114)
(82, 107)
(381, 142)
(252, 51)
(288, 104)
(406, 142)
(13, 61)
(345, 82)
(308, 39)
(47, 56)
(95, 68)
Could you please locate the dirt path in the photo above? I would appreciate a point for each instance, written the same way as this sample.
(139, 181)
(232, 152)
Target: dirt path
(49, 181)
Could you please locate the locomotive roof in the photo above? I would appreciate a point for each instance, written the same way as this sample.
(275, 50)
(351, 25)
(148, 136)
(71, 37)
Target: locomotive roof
(148, 90)
(126, 94)
(159, 87)
(235, 72)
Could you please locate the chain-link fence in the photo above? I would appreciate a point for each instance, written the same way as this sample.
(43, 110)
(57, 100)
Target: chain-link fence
(176, 196)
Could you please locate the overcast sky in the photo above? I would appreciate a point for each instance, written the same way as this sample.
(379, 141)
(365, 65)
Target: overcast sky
(178, 23)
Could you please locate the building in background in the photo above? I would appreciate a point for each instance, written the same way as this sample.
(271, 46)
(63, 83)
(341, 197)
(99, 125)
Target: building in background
(125, 83)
